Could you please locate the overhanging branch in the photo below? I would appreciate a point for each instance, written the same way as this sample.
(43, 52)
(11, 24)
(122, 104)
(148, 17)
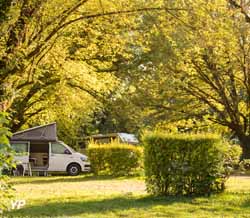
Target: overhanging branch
(91, 16)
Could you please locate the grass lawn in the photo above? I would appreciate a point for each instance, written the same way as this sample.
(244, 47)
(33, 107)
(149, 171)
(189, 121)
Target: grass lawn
(86, 196)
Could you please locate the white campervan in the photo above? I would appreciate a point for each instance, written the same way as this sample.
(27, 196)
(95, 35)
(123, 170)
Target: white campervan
(38, 150)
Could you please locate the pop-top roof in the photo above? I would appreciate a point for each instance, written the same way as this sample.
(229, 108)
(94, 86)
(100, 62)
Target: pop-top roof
(38, 133)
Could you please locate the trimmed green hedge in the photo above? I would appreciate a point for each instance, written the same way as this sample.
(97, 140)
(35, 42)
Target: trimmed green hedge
(186, 164)
(114, 158)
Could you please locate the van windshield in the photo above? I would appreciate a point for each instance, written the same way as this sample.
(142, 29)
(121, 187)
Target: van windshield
(71, 149)
(68, 147)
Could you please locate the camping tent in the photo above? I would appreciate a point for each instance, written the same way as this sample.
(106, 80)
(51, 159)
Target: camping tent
(38, 133)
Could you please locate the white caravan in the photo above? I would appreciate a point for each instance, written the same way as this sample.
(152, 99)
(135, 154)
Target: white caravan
(38, 150)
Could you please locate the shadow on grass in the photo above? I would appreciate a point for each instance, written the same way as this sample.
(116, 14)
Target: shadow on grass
(63, 178)
(216, 204)
(246, 203)
(117, 204)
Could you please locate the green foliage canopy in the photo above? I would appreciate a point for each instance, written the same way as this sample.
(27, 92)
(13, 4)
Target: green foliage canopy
(40, 39)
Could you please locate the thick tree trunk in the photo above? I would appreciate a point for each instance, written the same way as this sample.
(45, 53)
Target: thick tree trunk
(245, 145)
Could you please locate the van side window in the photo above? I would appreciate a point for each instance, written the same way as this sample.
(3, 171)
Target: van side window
(20, 148)
(58, 148)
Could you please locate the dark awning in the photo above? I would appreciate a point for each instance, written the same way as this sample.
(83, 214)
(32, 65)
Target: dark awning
(38, 133)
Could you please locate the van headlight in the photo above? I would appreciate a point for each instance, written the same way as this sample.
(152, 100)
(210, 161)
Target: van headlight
(84, 159)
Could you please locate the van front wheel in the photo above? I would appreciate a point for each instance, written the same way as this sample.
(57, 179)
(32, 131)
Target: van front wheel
(73, 169)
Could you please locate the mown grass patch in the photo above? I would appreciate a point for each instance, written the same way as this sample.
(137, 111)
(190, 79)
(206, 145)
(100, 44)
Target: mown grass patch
(109, 197)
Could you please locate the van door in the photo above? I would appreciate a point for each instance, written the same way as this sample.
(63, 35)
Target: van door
(22, 150)
(60, 157)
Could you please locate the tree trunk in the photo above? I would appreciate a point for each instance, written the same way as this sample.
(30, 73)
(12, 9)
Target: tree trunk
(245, 145)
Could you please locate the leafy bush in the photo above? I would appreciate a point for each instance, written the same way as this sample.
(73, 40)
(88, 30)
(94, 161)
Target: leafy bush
(232, 160)
(245, 165)
(114, 158)
(186, 164)
(6, 161)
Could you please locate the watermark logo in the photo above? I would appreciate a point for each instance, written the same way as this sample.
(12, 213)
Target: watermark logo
(17, 204)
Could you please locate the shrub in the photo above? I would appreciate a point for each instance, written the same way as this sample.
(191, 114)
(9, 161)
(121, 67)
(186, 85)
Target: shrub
(233, 157)
(114, 158)
(6, 162)
(185, 164)
(245, 165)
